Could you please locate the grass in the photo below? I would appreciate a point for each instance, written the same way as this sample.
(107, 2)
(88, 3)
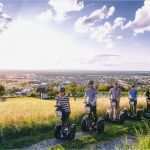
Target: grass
(28, 120)
(111, 131)
(143, 138)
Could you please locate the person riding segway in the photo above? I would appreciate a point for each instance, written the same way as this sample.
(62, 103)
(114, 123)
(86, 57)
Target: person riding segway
(64, 130)
(133, 112)
(114, 114)
(90, 121)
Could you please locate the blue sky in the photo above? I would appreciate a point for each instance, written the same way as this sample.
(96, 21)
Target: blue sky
(75, 34)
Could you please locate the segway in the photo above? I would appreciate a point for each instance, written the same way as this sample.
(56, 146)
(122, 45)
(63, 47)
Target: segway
(132, 114)
(146, 113)
(64, 131)
(88, 122)
(113, 116)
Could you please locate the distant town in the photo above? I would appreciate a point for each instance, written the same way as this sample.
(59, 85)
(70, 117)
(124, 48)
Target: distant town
(25, 83)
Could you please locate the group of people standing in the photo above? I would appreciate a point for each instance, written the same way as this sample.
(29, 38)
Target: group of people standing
(91, 98)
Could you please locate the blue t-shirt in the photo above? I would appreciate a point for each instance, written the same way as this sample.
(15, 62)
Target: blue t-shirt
(133, 94)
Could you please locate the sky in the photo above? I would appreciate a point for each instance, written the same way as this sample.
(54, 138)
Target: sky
(75, 35)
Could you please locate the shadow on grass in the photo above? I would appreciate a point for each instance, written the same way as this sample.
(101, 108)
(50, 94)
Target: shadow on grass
(18, 137)
(111, 131)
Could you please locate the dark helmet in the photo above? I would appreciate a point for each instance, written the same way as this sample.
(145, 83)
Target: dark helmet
(62, 89)
(91, 82)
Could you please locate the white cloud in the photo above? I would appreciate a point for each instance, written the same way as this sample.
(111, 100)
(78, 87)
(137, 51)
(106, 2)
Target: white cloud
(4, 19)
(119, 37)
(141, 23)
(96, 16)
(101, 33)
(30, 45)
(46, 16)
(104, 33)
(119, 23)
(80, 27)
(110, 11)
(59, 8)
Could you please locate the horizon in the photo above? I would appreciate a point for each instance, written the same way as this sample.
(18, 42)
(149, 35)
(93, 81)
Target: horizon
(75, 35)
(61, 71)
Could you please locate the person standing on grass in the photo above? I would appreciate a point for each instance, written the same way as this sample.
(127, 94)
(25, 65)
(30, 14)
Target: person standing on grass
(91, 98)
(133, 93)
(115, 94)
(63, 101)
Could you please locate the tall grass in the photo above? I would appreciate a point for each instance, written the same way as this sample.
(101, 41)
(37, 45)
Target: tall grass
(28, 116)
(143, 138)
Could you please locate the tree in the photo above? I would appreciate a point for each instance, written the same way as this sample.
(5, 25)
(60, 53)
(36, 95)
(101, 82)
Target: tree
(80, 90)
(2, 90)
(52, 91)
(103, 88)
(42, 90)
(72, 90)
(75, 90)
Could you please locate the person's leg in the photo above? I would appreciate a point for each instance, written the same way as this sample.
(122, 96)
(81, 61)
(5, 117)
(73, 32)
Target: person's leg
(95, 113)
(63, 118)
(148, 105)
(114, 108)
(66, 117)
(117, 108)
(131, 107)
(135, 104)
(111, 114)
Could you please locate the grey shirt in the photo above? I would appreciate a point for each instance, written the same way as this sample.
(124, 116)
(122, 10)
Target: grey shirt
(115, 94)
(91, 96)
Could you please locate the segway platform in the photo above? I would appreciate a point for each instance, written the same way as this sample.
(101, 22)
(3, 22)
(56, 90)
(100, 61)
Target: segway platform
(89, 124)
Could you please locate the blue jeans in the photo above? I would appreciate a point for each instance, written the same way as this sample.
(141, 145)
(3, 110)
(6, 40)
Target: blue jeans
(65, 117)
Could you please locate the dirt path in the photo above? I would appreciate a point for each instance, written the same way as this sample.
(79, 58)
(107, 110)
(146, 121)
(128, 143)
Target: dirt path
(45, 144)
(114, 143)
(107, 145)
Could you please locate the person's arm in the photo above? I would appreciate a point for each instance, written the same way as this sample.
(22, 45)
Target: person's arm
(57, 101)
(129, 95)
(85, 97)
(110, 94)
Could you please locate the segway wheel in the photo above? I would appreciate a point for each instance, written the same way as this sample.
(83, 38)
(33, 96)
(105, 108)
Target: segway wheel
(107, 116)
(122, 117)
(100, 125)
(139, 114)
(125, 112)
(57, 132)
(84, 124)
(72, 132)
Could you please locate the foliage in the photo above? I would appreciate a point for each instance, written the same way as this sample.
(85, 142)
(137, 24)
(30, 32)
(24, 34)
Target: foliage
(2, 90)
(103, 87)
(52, 92)
(75, 90)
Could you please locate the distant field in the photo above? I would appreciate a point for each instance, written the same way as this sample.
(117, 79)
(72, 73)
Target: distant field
(26, 111)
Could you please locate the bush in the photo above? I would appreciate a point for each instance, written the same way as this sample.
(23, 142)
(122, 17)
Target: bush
(2, 90)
